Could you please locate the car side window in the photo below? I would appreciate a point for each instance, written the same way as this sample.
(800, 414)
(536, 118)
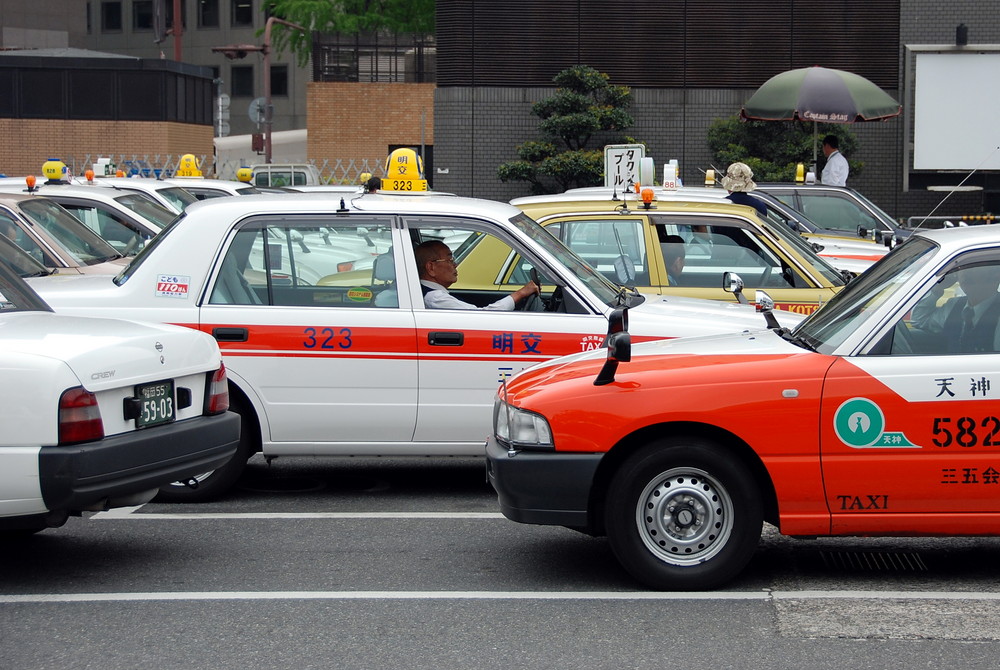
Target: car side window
(605, 242)
(490, 264)
(309, 263)
(836, 213)
(959, 314)
(713, 248)
(110, 228)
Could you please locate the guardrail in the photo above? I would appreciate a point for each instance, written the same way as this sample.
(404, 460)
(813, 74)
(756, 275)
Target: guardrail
(332, 171)
(950, 221)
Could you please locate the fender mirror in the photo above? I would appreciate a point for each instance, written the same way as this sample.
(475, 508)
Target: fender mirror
(619, 346)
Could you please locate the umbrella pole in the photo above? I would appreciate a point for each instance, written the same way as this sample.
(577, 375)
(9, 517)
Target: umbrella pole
(814, 146)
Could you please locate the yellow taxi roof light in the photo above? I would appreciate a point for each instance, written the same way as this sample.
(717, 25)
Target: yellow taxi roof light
(404, 171)
(54, 169)
(404, 164)
(188, 166)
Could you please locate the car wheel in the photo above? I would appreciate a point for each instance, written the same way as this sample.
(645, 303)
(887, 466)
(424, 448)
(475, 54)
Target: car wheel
(212, 484)
(683, 514)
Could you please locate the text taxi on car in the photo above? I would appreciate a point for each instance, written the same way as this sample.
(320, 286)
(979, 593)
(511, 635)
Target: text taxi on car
(877, 415)
(681, 243)
(99, 413)
(331, 354)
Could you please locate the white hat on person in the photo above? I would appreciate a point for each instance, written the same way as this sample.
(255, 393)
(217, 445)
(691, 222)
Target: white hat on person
(739, 177)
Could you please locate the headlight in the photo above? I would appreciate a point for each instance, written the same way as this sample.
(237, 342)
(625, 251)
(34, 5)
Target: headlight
(518, 428)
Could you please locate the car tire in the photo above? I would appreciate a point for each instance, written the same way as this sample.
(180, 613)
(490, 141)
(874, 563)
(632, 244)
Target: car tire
(683, 514)
(215, 483)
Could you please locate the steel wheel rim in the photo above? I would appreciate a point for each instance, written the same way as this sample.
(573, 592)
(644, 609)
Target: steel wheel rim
(684, 516)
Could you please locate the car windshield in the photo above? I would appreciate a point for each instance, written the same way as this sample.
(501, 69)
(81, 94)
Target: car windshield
(826, 329)
(177, 196)
(143, 254)
(830, 273)
(879, 212)
(15, 294)
(19, 260)
(156, 214)
(607, 291)
(82, 244)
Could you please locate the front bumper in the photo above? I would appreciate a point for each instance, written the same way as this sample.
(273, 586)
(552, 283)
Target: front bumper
(80, 476)
(550, 488)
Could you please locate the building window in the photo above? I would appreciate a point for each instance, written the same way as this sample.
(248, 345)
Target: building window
(279, 80)
(90, 27)
(242, 12)
(208, 13)
(241, 77)
(142, 15)
(111, 17)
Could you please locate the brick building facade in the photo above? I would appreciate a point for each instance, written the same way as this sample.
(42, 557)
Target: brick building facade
(359, 122)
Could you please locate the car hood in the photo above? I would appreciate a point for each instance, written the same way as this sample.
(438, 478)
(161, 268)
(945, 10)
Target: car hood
(109, 353)
(696, 316)
(648, 357)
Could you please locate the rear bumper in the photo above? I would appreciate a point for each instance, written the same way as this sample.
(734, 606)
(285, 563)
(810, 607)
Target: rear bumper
(549, 488)
(80, 476)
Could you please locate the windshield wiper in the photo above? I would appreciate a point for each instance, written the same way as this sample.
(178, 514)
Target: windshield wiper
(797, 340)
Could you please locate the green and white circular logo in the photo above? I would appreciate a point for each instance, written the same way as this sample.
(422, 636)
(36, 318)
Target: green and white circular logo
(859, 422)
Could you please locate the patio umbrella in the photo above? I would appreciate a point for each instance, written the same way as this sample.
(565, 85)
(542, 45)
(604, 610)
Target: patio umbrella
(820, 95)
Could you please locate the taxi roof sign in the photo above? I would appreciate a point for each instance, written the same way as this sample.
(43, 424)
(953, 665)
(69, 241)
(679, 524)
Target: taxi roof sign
(622, 163)
(404, 170)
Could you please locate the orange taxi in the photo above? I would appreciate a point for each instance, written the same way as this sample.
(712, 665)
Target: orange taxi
(876, 415)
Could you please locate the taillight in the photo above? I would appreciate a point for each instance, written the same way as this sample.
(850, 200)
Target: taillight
(217, 396)
(79, 417)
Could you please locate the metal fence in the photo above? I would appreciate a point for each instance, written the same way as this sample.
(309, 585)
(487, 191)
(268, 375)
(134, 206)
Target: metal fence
(950, 221)
(332, 171)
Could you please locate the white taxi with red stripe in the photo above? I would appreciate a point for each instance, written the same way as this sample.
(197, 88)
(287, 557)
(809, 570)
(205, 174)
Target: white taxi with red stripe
(877, 415)
(317, 307)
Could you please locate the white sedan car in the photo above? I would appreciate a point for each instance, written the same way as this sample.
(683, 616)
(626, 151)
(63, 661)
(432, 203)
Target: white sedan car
(325, 358)
(99, 413)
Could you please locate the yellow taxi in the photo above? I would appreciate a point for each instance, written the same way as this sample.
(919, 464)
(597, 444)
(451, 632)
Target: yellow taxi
(637, 243)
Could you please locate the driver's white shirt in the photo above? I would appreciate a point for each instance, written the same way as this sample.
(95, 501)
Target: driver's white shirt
(439, 298)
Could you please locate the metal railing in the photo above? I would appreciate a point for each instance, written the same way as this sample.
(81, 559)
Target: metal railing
(950, 221)
(332, 171)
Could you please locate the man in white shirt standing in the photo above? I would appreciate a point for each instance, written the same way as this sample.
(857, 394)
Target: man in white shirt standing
(438, 272)
(835, 172)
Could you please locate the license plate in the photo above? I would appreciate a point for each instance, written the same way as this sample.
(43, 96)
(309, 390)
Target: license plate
(156, 403)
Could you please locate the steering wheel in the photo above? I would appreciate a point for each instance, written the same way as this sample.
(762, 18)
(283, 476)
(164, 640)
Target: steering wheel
(534, 302)
(902, 339)
(132, 246)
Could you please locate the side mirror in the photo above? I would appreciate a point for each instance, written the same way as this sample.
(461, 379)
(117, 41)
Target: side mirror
(733, 283)
(619, 346)
(765, 305)
(862, 232)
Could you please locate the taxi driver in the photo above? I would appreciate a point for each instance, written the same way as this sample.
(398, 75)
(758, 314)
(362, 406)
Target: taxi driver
(438, 271)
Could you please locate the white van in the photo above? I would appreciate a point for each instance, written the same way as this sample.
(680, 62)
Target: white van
(285, 174)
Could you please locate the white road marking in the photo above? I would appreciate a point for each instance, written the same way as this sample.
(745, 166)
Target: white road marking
(30, 598)
(128, 513)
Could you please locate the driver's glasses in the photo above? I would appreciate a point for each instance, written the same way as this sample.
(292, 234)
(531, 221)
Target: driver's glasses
(449, 259)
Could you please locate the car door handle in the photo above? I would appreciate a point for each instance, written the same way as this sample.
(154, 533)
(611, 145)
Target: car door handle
(445, 339)
(230, 334)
